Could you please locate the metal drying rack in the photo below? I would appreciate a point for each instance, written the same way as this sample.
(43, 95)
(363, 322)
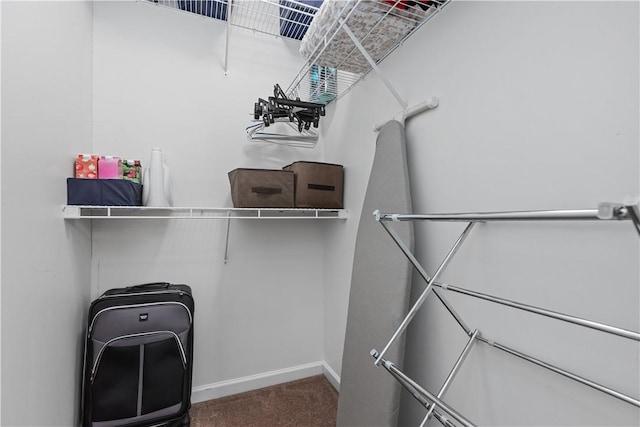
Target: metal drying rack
(447, 415)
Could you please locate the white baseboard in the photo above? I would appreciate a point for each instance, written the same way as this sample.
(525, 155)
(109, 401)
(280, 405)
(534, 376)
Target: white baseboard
(266, 379)
(331, 376)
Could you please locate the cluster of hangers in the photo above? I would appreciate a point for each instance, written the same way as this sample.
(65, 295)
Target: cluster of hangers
(304, 114)
(290, 122)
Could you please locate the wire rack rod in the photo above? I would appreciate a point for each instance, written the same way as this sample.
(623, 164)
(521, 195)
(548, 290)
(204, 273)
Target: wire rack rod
(563, 372)
(602, 327)
(567, 374)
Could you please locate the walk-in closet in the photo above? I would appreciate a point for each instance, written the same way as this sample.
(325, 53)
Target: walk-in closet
(482, 264)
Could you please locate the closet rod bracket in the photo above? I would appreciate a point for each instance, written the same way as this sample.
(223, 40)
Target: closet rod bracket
(409, 112)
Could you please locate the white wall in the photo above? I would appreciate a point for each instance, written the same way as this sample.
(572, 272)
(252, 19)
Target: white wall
(538, 110)
(46, 120)
(159, 81)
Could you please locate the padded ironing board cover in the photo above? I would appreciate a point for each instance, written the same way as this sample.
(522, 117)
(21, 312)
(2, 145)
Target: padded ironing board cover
(380, 287)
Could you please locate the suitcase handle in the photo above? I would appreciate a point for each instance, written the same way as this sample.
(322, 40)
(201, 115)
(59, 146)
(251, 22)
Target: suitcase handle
(144, 286)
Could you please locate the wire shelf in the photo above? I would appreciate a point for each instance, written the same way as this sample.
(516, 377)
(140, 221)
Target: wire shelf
(145, 212)
(283, 18)
(370, 21)
(325, 76)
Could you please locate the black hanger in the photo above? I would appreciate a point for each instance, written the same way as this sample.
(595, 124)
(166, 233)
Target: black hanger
(305, 114)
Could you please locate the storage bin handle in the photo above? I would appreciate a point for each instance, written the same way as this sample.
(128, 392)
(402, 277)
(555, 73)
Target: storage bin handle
(321, 187)
(266, 190)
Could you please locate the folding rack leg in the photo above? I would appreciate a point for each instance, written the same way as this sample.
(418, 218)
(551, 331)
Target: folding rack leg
(420, 398)
(452, 374)
(412, 312)
(424, 394)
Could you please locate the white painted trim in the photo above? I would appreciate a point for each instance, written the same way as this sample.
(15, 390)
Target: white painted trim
(254, 382)
(331, 375)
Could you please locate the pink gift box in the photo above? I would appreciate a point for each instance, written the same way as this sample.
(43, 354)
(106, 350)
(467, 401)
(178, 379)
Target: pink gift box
(109, 167)
(86, 166)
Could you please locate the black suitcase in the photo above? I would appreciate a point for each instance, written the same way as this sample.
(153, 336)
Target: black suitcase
(138, 357)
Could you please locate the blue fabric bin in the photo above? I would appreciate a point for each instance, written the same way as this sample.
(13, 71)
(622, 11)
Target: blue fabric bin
(103, 192)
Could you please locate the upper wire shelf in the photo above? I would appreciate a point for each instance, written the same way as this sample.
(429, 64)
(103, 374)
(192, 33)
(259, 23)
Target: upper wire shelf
(347, 39)
(337, 48)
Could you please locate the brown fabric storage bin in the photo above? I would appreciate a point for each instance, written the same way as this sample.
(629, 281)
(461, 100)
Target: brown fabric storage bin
(261, 188)
(318, 185)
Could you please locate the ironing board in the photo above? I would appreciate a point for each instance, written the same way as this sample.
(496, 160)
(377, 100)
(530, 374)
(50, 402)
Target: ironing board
(380, 287)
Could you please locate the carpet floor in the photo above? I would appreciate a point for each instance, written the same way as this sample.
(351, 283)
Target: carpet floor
(310, 402)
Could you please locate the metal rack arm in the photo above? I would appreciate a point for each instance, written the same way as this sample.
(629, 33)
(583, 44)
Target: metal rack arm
(624, 333)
